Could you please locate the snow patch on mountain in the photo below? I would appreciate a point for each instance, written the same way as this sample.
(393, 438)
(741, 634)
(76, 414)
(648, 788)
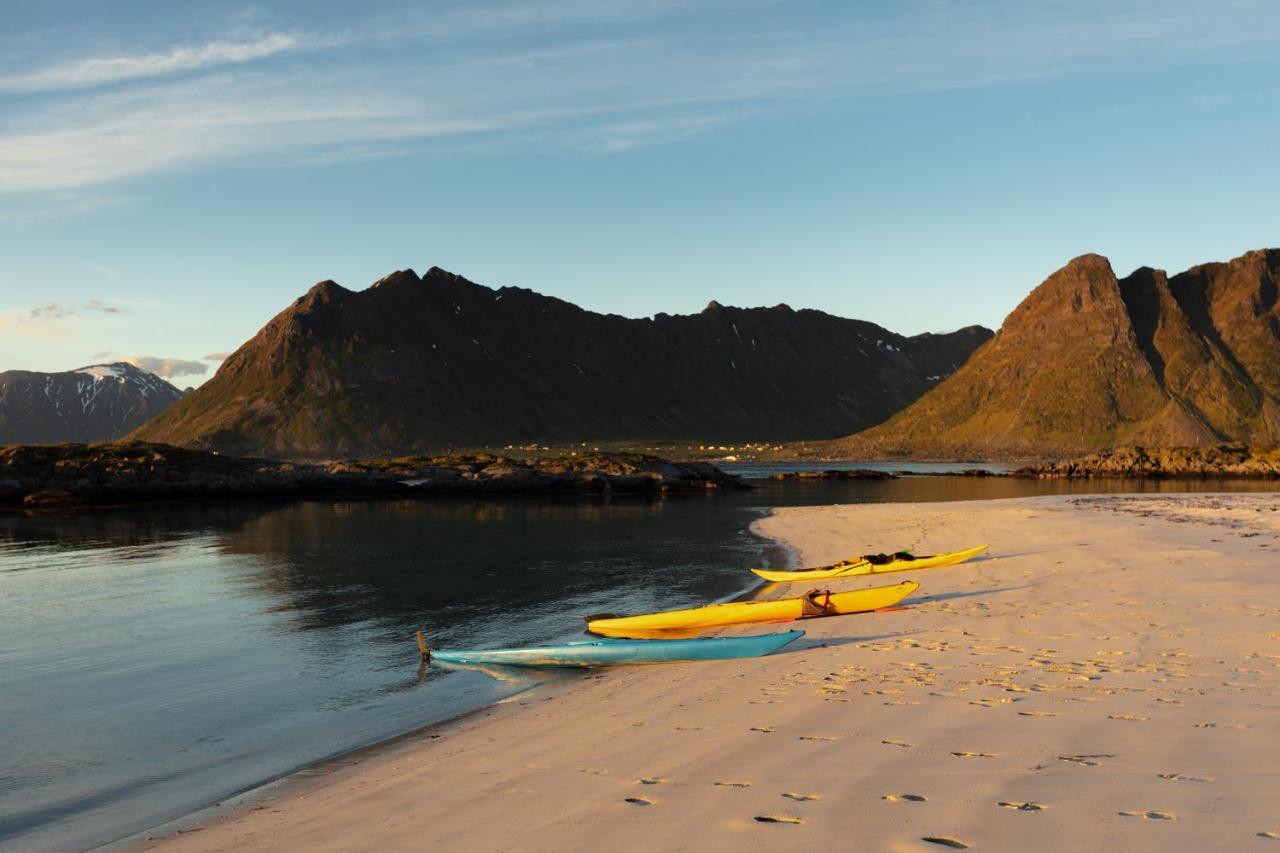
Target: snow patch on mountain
(104, 371)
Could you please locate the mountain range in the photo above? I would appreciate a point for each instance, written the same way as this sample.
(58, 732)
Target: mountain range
(1090, 361)
(414, 364)
(95, 403)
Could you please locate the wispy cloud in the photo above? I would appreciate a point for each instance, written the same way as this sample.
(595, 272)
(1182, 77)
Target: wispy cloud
(99, 305)
(216, 356)
(61, 310)
(50, 311)
(86, 73)
(167, 367)
(595, 77)
(122, 134)
(626, 135)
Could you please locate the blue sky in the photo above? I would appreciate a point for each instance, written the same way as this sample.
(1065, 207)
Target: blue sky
(173, 174)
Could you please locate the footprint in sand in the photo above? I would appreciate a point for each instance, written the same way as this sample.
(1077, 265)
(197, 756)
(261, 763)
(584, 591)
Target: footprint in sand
(964, 754)
(1022, 807)
(640, 801)
(801, 798)
(1150, 815)
(1086, 760)
(778, 818)
(690, 728)
(1131, 717)
(733, 784)
(1269, 834)
(1037, 713)
(900, 743)
(652, 780)
(1178, 777)
(897, 798)
(943, 841)
(815, 737)
(764, 730)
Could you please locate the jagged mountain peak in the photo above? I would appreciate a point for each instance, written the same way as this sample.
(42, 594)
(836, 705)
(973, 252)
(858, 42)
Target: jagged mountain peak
(1088, 361)
(401, 277)
(397, 368)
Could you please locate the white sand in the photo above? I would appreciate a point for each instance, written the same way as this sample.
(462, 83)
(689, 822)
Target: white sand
(1116, 660)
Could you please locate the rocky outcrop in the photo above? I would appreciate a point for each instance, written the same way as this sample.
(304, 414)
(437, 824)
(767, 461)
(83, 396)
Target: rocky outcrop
(100, 402)
(1211, 462)
(414, 365)
(71, 475)
(1089, 362)
(836, 474)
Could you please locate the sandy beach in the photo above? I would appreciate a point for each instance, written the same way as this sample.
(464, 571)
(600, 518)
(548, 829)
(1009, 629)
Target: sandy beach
(1108, 678)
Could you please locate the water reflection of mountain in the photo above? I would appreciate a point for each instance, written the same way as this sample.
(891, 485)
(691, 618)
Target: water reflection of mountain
(398, 563)
(164, 524)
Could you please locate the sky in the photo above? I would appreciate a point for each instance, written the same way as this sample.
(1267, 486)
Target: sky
(173, 174)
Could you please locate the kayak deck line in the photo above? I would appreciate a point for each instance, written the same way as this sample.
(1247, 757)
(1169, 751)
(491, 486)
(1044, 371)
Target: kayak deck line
(615, 651)
(877, 564)
(696, 620)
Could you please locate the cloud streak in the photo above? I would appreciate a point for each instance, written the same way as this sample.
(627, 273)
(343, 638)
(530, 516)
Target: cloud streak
(60, 310)
(100, 306)
(88, 73)
(167, 367)
(591, 78)
(50, 311)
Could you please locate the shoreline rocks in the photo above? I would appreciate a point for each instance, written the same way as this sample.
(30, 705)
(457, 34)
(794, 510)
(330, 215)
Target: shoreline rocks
(837, 474)
(1227, 461)
(67, 476)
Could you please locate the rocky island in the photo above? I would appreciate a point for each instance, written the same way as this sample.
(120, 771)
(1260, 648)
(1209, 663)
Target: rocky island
(74, 475)
(1227, 461)
(836, 474)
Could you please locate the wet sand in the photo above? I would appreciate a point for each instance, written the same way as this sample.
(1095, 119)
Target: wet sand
(1109, 678)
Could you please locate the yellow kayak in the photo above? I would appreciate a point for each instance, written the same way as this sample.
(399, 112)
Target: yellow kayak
(695, 620)
(861, 566)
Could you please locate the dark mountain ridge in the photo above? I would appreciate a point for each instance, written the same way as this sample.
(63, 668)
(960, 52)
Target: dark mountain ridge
(1089, 362)
(99, 402)
(414, 364)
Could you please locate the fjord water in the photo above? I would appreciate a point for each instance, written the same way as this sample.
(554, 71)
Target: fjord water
(157, 660)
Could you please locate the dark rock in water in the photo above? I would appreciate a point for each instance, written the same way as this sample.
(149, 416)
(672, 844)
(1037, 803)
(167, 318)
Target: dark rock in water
(71, 475)
(52, 499)
(414, 365)
(1228, 461)
(836, 474)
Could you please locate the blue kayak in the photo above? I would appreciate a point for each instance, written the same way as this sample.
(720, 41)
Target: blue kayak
(615, 652)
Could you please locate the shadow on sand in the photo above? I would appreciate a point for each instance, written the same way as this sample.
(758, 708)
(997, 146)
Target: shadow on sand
(948, 596)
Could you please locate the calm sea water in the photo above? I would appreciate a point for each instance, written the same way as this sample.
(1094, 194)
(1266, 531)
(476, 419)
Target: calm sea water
(155, 661)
